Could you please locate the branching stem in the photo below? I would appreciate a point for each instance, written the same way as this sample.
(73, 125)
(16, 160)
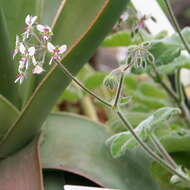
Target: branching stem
(70, 75)
(127, 124)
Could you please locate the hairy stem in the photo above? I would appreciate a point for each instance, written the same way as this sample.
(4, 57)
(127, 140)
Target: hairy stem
(176, 25)
(70, 75)
(179, 87)
(146, 148)
(128, 125)
(119, 89)
(162, 151)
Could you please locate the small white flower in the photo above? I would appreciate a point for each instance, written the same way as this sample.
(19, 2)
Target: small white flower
(20, 78)
(29, 20)
(27, 52)
(37, 70)
(16, 46)
(56, 52)
(45, 30)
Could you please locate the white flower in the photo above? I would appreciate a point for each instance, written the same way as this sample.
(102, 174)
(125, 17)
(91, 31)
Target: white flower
(45, 30)
(20, 78)
(56, 52)
(27, 55)
(37, 70)
(27, 52)
(16, 46)
(29, 20)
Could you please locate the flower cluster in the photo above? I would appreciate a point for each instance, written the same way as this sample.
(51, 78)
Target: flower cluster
(139, 55)
(32, 46)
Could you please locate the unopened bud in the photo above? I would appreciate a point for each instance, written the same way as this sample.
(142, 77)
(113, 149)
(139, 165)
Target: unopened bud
(110, 82)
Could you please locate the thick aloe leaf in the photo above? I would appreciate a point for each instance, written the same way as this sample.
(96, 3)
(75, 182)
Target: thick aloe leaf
(96, 19)
(22, 171)
(8, 114)
(15, 13)
(77, 145)
(53, 180)
(7, 69)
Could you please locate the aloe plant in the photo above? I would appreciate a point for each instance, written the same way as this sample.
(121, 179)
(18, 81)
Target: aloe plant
(38, 148)
(24, 109)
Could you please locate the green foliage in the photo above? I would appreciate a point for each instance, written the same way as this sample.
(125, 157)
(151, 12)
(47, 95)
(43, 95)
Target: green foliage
(125, 140)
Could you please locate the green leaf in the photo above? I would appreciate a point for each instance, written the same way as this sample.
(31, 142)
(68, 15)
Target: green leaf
(7, 69)
(95, 80)
(176, 40)
(96, 20)
(116, 125)
(151, 89)
(180, 62)
(71, 94)
(164, 114)
(122, 38)
(164, 51)
(23, 170)
(75, 144)
(124, 141)
(15, 15)
(150, 102)
(8, 114)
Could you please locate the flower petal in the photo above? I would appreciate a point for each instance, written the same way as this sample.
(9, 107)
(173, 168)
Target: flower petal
(40, 27)
(28, 19)
(22, 48)
(31, 51)
(62, 49)
(33, 20)
(50, 47)
(37, 70)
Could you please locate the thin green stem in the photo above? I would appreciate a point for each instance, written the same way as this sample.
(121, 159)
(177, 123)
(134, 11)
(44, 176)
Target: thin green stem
(176, 25)
(146, 148)
(162, 150)
(166, 88)
(181, 105)
(179, 87)
(119, 89)
(69, 74)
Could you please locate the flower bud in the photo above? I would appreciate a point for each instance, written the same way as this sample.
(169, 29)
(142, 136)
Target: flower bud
(110, 82)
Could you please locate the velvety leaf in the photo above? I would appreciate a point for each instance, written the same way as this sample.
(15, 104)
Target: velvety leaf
(121, 142)
(22, 171)
(76, 144)
(122, 38)
(7, 69)
(96, 20)
(8, 114)
(124, 141)
(180, 62)
(175, 39)
(164, 52)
